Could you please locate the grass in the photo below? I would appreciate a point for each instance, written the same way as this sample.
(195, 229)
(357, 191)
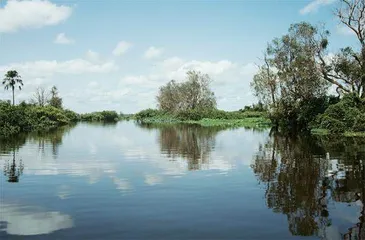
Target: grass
(251, 122)
(257, 122)
(324, 132)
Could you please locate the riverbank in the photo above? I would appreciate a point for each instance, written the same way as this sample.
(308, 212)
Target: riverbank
(207, 119)
(256, 122)
(25, 118)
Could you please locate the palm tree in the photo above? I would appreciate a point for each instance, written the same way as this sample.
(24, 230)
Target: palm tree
(12, 78)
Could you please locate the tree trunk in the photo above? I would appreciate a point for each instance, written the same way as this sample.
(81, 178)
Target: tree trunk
(13, 96)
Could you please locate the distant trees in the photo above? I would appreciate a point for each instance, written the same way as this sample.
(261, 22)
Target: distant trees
(42, 97)
(193, 94)
(11, 80)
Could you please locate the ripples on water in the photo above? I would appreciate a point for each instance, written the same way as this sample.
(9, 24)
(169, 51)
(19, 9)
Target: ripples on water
(128, 181)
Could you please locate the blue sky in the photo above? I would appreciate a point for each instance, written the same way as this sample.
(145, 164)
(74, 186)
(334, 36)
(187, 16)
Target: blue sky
(115, 54)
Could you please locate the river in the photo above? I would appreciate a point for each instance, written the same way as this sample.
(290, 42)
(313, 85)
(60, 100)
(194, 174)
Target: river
(133, 181)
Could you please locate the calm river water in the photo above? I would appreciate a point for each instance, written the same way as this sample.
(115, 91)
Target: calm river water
(130, 181)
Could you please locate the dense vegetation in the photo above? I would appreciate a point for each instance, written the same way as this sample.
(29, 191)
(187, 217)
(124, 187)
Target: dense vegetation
(104, 116)
(43, 112)
(298, 72)
(28, 117)
(193, 94)
(212, 117)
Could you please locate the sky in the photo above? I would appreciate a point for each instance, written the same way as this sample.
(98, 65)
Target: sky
(115, 54)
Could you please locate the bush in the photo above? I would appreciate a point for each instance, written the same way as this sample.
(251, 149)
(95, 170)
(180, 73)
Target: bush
(27, 117)
(104, 116)
(149, 113)
(359, 125)
(333, 125)
(345, 115)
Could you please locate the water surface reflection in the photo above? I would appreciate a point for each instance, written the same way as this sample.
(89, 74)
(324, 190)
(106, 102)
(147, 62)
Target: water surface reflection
(181, 182)
(304, 178)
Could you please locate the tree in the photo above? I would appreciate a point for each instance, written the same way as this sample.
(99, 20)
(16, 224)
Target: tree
(12, 78)
(193, 94)
(265, 85)
(55, 100)
(346, 70)
(290, 79)
(40, 97)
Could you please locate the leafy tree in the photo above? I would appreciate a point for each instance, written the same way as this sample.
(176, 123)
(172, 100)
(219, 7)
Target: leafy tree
(55, 100)
(290, 77)
(193, 94)
(12, 78)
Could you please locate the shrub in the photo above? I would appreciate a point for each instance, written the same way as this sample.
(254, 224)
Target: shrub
(104, 116)
(332, 124)
(359, 125)
(110, 116)
(26, 117)
(149, 113)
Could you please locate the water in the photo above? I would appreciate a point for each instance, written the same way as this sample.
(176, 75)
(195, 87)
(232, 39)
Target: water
(126, 181)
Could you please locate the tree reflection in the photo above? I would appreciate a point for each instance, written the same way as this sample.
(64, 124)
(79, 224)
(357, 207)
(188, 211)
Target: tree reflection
(13, 171)
(51, 138)
(297, 184)
(191, 142)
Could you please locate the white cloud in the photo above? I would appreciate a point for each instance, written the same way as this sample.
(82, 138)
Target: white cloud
(62, 39)
(224, 73)
(74, 66)
(93, 84)
(121, 48)
(153, 52)
(315, 5)
(16, 14)
(92, 56)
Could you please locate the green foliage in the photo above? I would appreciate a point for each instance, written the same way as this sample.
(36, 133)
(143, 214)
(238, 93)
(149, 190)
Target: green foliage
(158, 116)
(55, 100)
(11, 80)
(27, 117)
(104, 116)
(346, 115)
(332, 124)
(359, 125)
(193, 94)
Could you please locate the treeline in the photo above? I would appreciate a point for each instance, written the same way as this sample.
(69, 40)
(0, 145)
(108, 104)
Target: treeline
(25, 117)
(44, 111)
(298, 72)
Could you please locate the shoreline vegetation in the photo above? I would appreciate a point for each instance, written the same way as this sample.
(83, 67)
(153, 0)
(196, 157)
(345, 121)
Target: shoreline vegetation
(251, 119)
(300, 87)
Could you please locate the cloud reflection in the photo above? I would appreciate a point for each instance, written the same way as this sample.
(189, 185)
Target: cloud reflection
(26, 221)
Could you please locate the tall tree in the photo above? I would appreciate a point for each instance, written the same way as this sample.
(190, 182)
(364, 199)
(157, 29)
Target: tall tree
(290, 80)
(193, 94)
(11, 80)
(55, 100)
